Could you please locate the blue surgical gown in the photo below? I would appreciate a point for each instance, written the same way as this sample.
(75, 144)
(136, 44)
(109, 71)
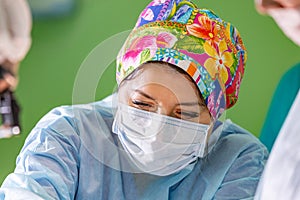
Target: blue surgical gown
(62, 158)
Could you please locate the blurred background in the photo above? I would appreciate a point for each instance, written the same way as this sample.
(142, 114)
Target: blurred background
(66, 31)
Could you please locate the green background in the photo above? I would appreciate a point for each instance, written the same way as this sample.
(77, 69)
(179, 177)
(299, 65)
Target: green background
(60, 45)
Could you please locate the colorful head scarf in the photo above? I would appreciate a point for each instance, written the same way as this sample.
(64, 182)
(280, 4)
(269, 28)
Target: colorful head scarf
(209, 49)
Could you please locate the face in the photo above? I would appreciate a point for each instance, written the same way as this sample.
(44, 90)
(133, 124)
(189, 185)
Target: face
(264, 5)
(159, 88)
(286, 14)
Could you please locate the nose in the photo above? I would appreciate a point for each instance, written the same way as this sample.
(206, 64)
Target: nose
(262, 6)
(165, 110)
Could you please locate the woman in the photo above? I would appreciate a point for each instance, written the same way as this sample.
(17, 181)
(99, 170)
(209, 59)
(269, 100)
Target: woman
(160, 136)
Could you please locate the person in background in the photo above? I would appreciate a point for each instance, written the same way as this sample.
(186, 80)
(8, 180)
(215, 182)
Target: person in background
(15, 36)
(281, 178)
(286, 13)
(287, 89)
(162, 135)
(15, 42)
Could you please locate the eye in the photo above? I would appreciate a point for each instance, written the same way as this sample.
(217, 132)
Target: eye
(186, 115)
(143, 105)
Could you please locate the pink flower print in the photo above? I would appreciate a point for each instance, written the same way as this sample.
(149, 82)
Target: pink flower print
(147, 14)
(142, 43)
(158, 2)
(165, 40)
(238, 83)
(211, 104)
(132, 58)
(144, 48)
(219, 99)
(219, 62)
(219, 109)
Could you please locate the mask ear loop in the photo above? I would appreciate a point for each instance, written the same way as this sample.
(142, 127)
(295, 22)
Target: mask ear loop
(204, 149)
(214, 137)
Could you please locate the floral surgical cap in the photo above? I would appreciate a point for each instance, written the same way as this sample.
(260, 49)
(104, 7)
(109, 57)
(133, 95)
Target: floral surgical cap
(209, 49)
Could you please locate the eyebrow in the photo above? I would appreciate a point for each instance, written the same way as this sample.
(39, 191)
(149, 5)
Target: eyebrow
(145, 95)
(189, 104)
(181, 104)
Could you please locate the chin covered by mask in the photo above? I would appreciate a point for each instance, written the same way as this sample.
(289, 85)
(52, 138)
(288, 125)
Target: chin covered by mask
(158, 144)
(288, 19)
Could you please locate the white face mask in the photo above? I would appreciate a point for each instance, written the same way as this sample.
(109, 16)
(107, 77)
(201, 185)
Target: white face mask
(158, 144)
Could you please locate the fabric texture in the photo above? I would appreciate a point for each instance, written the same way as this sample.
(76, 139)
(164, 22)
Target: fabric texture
(58, 162)
(280, 179)
(209, 49)
(282, 100)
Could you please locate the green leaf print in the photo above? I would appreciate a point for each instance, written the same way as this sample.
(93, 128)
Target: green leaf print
(233, 66)
(191, 44)
(145, 55)
(129, 70)
(119, 67)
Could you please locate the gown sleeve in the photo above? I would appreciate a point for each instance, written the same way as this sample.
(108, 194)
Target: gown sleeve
(47, 166)
(243, 175)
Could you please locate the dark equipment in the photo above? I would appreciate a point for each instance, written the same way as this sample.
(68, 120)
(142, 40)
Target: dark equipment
(9, 110)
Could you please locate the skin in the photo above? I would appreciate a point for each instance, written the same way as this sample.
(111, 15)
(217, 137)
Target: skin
(286, 13)
(264, 5)
(161, 89)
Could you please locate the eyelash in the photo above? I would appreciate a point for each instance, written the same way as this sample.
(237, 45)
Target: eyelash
(178, 113)
(187, 115)
(140, 103)
(143, 105)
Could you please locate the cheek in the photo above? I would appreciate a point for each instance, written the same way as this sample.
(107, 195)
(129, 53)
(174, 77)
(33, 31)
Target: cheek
(205, 118)
(129, 103)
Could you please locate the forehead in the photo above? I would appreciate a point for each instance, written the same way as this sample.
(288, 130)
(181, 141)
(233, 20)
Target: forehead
(165, 77)
(163, 73)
